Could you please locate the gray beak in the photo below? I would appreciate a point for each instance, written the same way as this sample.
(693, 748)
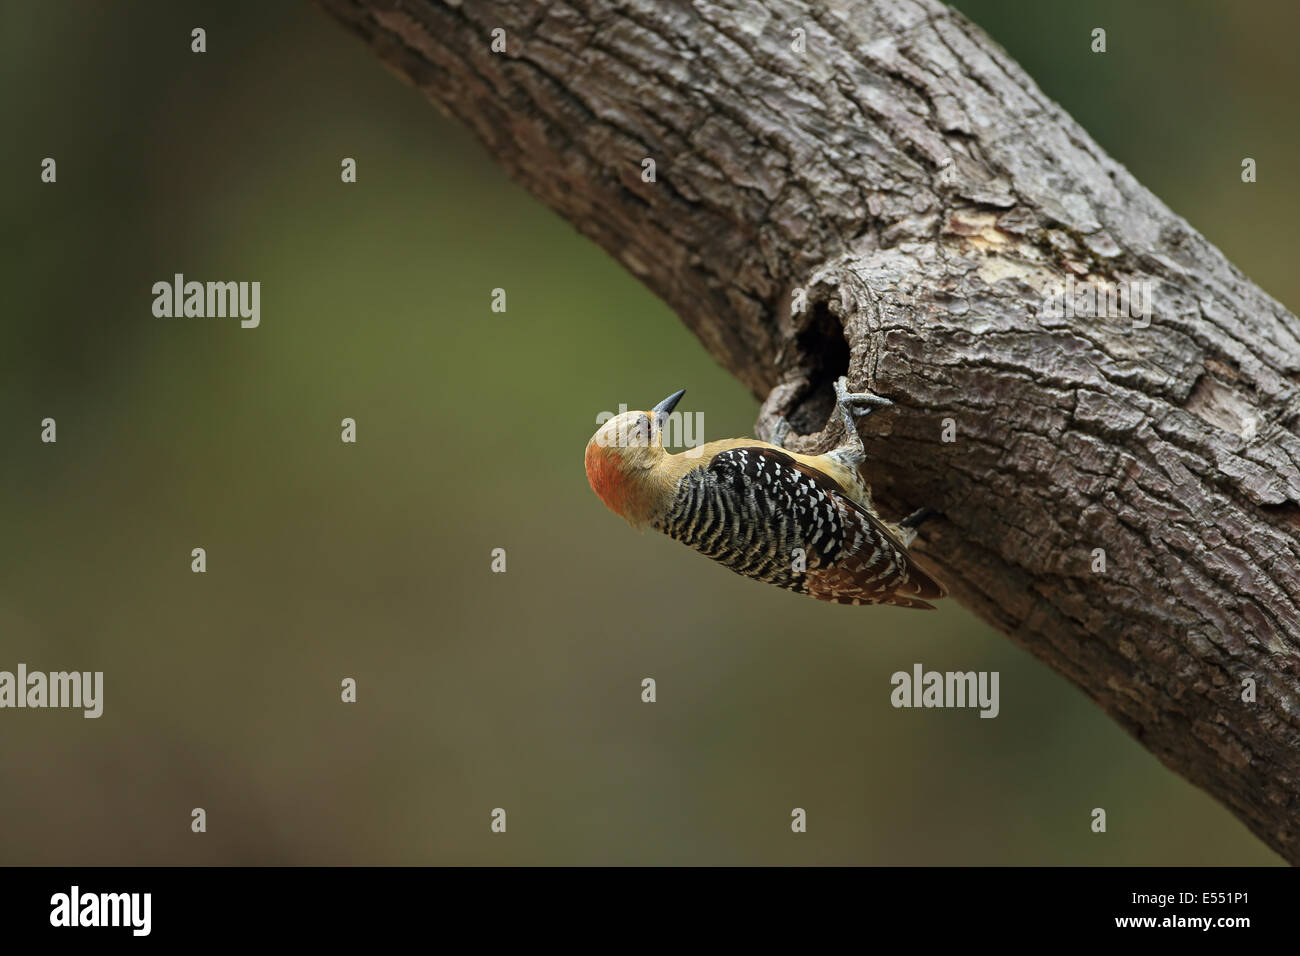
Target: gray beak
(665, 408)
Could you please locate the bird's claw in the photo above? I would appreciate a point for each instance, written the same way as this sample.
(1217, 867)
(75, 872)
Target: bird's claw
(779, 430)
(855, 400)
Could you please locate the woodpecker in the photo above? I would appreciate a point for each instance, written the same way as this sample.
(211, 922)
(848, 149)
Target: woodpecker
(802, 522)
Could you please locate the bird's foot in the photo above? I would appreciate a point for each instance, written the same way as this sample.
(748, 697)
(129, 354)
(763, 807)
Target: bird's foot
(913, 521)
(847, 404)
(919, 515)
(864, 403)
(778, 432)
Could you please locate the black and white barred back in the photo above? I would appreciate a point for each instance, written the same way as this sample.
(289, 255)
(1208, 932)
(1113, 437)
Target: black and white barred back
(756, 510)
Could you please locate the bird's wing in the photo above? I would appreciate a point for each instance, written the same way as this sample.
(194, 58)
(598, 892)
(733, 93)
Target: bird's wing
(868, 565)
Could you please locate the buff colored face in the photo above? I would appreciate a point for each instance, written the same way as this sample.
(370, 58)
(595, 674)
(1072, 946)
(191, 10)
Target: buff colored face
(621, 450)
(629, 430)
(623, 453)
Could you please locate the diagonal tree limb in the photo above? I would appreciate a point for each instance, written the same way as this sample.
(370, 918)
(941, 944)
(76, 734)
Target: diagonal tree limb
(896, 202)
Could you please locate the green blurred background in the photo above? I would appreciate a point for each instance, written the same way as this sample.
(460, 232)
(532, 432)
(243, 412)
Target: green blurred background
(479, 690)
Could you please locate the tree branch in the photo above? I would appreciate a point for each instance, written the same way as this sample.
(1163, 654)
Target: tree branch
(909, 181)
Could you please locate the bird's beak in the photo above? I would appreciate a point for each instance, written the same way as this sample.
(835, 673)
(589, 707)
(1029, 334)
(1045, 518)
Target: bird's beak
(659, 414)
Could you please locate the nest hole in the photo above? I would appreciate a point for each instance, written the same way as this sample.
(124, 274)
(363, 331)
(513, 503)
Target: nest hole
(825, 352)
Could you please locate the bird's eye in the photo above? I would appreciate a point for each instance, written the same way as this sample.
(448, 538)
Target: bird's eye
(634, 432)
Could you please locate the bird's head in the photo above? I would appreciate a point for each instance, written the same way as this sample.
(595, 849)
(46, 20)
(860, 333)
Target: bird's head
(623, 458)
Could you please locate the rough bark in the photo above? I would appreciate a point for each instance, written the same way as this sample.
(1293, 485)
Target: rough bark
(908, 176)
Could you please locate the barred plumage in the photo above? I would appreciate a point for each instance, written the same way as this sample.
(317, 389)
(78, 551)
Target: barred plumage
(762, 514)
(804, 523)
